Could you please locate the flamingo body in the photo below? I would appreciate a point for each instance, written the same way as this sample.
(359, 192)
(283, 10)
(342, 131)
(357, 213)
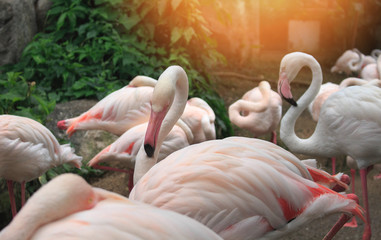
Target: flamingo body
(259, 120)
(69, 208)
(117, 112)
(200, 117)
(233, 184)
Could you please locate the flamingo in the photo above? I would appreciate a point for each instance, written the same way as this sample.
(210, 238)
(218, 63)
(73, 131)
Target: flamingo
(351, 61)
(118, 111)
(200, 118)
(259, 111)
(230, 185)
(125, 148)
(372, 71)
(69, 208)
(28, 149)
(349, 121)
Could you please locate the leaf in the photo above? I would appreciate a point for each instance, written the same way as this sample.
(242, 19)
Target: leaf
(175, 4)
(130, 21)
(161, 6)
(176, 34)
(188, 34)
(61, 20)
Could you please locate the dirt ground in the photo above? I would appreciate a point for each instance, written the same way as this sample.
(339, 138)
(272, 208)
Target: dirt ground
(231, 86)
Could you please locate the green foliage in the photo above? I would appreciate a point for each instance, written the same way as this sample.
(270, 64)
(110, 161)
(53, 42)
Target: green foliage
(22, 98)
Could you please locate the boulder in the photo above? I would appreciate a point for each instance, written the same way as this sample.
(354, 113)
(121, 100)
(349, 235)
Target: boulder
(17, 27)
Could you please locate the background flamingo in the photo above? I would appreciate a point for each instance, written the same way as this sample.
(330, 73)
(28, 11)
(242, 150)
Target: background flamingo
(118, 111)
(68, 208)
(200, 118)
(259, 111)
(349, 121)
(28, 149)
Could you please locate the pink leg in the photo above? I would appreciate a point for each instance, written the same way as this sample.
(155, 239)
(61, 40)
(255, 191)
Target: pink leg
(333, 165)
(273, 137)
(338, 225)
(22, 193)
(12, 198)
(131, 181)
(353, 222)
(367, 229)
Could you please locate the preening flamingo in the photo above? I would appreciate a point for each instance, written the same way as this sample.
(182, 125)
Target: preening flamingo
(230, 185)
(372, 71)
(351, 61)
(28, 149)
(68, 208)
(259, 111)
(349, 121)
(125, 148)
(118, 111)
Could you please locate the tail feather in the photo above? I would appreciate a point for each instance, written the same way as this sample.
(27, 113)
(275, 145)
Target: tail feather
(67, 156)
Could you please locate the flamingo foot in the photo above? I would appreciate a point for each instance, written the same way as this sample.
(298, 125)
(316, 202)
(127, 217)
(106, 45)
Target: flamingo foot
(352, 223)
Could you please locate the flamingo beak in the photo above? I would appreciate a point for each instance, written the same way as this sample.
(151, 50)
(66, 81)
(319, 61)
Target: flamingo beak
(153, 129)
(284, 89)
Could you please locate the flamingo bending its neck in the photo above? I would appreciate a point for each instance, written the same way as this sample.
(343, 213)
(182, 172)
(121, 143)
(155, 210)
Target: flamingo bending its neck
(349, 121)
(259, 111)
(29, 149)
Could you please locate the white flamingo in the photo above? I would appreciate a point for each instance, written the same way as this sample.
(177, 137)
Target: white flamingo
(28, 149)
(351, 61)
(349, 121)
(258, 111)
(69, 208)
(232, 184)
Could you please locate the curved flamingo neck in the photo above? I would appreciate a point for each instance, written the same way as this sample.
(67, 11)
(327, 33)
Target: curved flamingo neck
(140, 81)
(287, 125)
(172, 85)
(249, 106)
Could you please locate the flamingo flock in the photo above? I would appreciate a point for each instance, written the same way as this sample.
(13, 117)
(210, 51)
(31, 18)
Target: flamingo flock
(185, 183)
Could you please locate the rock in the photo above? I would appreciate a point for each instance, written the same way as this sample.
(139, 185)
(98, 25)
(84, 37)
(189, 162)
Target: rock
(86, 143)
(42, 7)
(17, 28)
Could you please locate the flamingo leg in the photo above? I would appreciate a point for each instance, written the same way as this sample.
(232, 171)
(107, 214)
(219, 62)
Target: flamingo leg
(353, 222)
(367, 229)
(131, 180)
(333, 159)
(22, 193)
(273, 137)
(12, 197)
(338, 225)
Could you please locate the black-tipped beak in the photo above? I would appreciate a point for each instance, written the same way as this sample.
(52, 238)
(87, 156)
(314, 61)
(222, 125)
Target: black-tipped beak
(149, 149)
(291, 101)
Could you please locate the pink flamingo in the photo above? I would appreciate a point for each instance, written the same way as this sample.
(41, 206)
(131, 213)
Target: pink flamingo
(125, 148)
(259, 111)
(118, 111)
(351, 61)
(233, 184)
(29, 149)
(348, 123)
(69, 208)
(200, 118)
